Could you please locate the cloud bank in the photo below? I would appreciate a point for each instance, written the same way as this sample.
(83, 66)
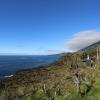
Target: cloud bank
(49, 51)
(83, 39)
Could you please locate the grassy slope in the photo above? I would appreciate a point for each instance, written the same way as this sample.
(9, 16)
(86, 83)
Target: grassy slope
(68, 87)
(56, 81)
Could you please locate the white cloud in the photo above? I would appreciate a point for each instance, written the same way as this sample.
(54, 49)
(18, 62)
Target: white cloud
(83, 39)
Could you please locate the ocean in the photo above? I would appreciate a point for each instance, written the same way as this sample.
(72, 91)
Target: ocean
(10, 64)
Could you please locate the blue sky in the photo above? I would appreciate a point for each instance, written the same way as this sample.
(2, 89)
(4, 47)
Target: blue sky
(44, 26)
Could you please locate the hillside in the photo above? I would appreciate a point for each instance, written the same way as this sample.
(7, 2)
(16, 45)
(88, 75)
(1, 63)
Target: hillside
(66, 79)
(90, 50)
(91, 47)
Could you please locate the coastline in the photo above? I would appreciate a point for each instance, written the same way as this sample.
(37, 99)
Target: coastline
(30, 63)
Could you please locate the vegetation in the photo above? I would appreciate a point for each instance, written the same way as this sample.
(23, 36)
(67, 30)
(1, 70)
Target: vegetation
(67, 79)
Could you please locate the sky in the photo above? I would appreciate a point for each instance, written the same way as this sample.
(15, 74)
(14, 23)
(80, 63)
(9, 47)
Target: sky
(40, 27)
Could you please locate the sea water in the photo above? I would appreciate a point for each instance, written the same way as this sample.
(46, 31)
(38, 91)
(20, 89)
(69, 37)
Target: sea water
(10, 64)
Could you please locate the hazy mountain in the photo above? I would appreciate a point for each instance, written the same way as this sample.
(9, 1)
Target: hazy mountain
(89, 50)
(91, 47)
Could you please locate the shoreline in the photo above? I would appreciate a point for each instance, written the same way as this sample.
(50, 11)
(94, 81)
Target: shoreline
(6, 77)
